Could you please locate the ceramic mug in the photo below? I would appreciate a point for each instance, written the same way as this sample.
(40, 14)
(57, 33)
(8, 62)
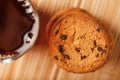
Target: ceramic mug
(19, 27)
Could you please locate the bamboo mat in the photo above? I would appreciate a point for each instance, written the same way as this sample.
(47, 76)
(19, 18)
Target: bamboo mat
(36, 64)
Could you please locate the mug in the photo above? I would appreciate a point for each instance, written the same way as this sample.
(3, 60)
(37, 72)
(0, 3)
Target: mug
(19, 27)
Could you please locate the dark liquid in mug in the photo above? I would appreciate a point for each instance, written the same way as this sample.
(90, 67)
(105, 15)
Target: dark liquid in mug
(14, 23)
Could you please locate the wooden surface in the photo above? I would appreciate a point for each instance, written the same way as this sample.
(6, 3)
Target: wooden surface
(36, 64)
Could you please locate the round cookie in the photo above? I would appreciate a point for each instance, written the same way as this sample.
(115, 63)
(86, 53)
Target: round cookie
(78, 43)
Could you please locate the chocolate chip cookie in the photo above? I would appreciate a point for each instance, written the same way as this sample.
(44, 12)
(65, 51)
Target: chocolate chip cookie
(78, 42)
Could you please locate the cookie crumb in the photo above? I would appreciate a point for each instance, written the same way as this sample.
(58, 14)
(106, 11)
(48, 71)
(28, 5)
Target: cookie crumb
(61, 48)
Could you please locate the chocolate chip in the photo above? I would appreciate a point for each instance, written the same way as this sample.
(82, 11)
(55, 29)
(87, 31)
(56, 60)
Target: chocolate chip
(77, 49)
(30, 35)
(66, 56)
(61, 48)
(99, 49)
(83, 57)
(95, 43)
(57, 31)
(63, 37)
(55, 57)
(99, 28)
(97, 55)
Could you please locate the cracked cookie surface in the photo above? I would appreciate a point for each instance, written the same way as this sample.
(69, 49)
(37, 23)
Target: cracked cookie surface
(78, 42)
